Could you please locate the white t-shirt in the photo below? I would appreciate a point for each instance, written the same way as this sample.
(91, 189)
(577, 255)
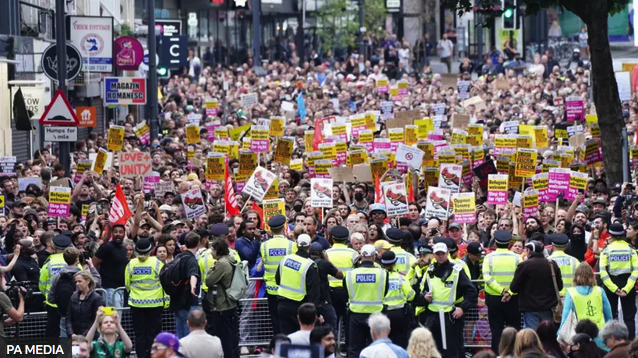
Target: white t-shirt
(300, 337)
(446, 47)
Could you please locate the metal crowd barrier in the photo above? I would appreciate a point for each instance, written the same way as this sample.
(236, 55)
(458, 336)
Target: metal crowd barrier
(255, 328)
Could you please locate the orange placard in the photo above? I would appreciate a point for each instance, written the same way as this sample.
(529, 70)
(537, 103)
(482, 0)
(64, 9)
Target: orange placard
(87, 116)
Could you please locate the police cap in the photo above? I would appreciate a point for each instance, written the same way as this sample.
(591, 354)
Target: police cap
(394, 235)
(502, 236)
(388, 258)
(339, 233)
(61, 242)
(219, 229)
(277, 222)
(559, 239)
(143, 246)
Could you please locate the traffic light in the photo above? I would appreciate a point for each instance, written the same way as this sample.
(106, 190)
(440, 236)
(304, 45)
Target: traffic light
(509, 15)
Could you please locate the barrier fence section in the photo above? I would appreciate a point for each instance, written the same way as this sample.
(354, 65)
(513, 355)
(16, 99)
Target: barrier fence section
(255, 327)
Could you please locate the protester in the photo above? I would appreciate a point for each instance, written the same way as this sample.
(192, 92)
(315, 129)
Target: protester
(422, 344)
(381, 345)
(198, 343)
(528, 344)
(615, 336)
(113, 337)
(185, 299)
(166, 345)
(322, 335)
(307, 316)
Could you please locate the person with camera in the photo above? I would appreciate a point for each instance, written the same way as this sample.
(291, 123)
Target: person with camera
(113, 339)
(63, 294)
(6, 307)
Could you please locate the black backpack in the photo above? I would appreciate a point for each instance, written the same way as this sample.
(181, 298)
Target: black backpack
(171, 278)
(63, 292)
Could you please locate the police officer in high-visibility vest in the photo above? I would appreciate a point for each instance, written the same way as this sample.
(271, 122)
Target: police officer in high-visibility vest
(498, 272)
(425, 259)
(367, 286)
(146, 296)
(397, 301)
(343, 258)
(566, 263)
(52, 267)
(298, 279)
(445, 283)
(405, 260)
(272, 252)
(618, 271)
(205, 259)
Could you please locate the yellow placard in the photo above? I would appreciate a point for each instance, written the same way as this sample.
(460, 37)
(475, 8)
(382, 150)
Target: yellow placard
(192, 133)
(59, 195)
(221, 133)
(459, 136)
(236, 133)
(525, 129)
(475, 130)
(215, 168)
(100, 161)
(283, 151)
(308, 137)
(273, 191)
(411, 134)
(540, 134)
(396, 135)
(339, 129)
(425, 126)
(296, 164)
(369, 117)
(247, 163)
(524, 141)
(356, 122)
(273, 208)
(366, 136)
(356, 157)
(115, 139)
(322, 166)
(525, 162)
(329, 150)
(276, 126)
(591, 119)
(378, 167)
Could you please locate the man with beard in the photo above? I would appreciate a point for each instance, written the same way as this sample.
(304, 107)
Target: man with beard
(247, 245)
(111, 260)
(51, 268)
(26, 269)
(532, 226)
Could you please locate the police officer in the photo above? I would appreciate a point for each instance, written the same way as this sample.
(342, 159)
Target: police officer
(272, 251)
(498, 273)
(367, 286)
(618, 271)
(343, 258)
(566, 263)
(52, 266)
(146, 296)
(405, 260)
(397, 301)
(298, 279)
(425, 258)
(446, 282)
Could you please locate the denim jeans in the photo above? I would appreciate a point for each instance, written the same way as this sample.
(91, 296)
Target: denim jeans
(181, 317)
(63, 327)
(533, 319)
(111, 301)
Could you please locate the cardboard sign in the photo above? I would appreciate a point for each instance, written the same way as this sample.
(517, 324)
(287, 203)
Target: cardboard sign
(398, 122)
(437, 204)
(192, 133)
(362, 173)
(539, 183)
(193, 203)
(502, 84)
(215, 167)
(396, 198)
(143, 132)
(162, 188)
(115, 139)
(82, 166)
(283, 151)
(248, 100)
(475, 101)
(530, 204)
(259, 183)
(272, 208)
(464, 208)
(321, 193)
(135, 164)
(526, 162)
(497, 189)
(450, 177)
(59, 201)
(410, 155)
(341, 174)
(460, 120)
(260, 139)
(277, 126)
(212, 108)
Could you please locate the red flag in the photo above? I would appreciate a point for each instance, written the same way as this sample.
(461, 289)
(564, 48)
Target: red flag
(120, 213)
(318, 134)
(409, 188)
(229, 197)
(260, 212)
(378, 195)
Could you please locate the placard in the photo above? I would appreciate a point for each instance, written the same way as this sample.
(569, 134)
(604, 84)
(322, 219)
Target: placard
(259, 182)
(193, 203)
(497, 189)
(150, 182)
(437, 203)
(260, 139)
(450, 177)
(530, 204)
(526, 162)
(102, 161)
(272, 208)
(249, 99)
(8, 165)
(321, 193)
(59, 201)
(410, 155)
(464, 208)
(574, 110)
(162, 188)
(577, 182)
(463, 88)
(277, 126)
(558, 183)
(296, 164)
(115, 139)
(135, 164)
(192, 133)
(539, 183)
(396, 198)
(143, 132)
(212, 107)
(23, 183)
(215, 166)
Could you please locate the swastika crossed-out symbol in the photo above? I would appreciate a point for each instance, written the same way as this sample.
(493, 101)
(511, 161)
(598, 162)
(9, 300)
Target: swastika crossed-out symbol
(409, 156)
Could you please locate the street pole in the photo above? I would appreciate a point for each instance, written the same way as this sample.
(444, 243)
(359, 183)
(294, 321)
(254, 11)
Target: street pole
(60, 41)
(361, 27)
(256, 9)
(625, 156)
(151, 86)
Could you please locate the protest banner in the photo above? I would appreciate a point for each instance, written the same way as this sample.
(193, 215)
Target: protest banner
(477, 156)
(321, 168)
(143, 132)
(342, 148)
(450, 177)
(403, 87)
(101, 161)
(273, 191)
(424, 127)
(411, 134)
(592, 152)
(329, 150)
(221, 133)
(308, 138)
(194, 118)
(310, 160)
(259, 139)
(82, 166)
(497, 189)
(530, 204)
(482, 173)
(437, 203)
(259, 182)
(396, 136)
(59, 201)
(355, 157)
(383, 85)
(135, 164)
(558, 183)
(341, 131)
(210, 128)
(215, 166)
(283, 150)
(577, 183)
(464, 208)
(539, 183)
(525, 141)
(525, 162)
(357, 124)
(460, 121)
(162, 188)
(396, 199)
(248, 99)
(574, 110)
(341, 174)
(115, 139)
(277, 126)
(370, 121)
(378, 167)
(410, 155)
(321, 193)
(459, 136)
(296, 164)
(272, 208)
(150, 182)
(192, 134)
(211, 108)
(193, 203)
(463, 88)
(540, 135)
(366, 138)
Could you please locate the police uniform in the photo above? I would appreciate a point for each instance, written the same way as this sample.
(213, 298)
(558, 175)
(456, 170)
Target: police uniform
(397, 301)
(367, 286)
(298, 280)
(343, 258)
(405, 260)
(146, 297)
(272, 252)
(498, 273)
(447, 282)
(618, 271)
(51, 268)
(566, 263)
(419, 274)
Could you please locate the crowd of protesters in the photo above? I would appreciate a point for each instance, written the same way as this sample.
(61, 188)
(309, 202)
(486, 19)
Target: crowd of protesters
(119, 233)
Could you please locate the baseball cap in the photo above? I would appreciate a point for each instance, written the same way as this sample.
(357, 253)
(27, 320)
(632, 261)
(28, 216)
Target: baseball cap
(368, 251)
(168, 339)
(475, 248)
(440, 247)
(382, 244)
(303, 240)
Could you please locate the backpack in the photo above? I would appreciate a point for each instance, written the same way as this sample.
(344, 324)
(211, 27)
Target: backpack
(64, 289)
(171, 278)
(239, 281)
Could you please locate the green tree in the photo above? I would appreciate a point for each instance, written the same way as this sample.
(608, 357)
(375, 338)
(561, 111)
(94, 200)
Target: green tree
(338, 22)
(594, 13)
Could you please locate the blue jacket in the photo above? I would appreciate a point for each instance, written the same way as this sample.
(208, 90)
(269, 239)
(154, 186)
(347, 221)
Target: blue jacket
(248, 250)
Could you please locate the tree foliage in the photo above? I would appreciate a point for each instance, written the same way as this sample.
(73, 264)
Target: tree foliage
(338, 22)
